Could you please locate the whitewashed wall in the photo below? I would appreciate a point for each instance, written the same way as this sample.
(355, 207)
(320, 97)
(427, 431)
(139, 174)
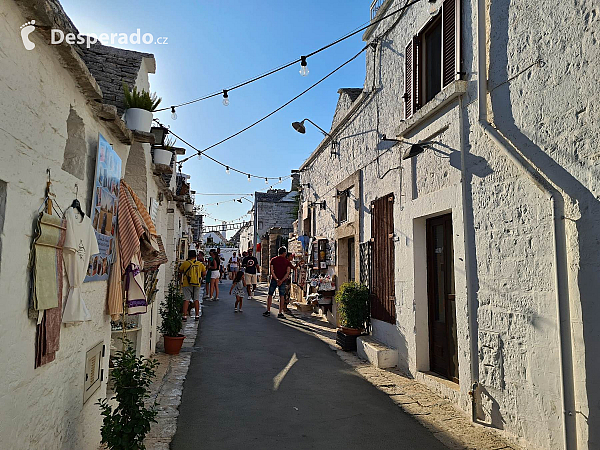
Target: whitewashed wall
(42, 408)
(548, 114)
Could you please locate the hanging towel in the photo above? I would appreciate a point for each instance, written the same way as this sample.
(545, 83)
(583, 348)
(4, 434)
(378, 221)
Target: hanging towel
(134, 282)
(46, 261)
(115, 287)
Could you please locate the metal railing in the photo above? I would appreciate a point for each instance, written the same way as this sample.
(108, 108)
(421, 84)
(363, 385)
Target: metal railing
(375, 5)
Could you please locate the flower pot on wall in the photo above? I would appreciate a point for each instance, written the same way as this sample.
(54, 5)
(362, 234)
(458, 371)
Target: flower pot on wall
(138, 119)
(162, 156)
(189, 207)
(173, 344)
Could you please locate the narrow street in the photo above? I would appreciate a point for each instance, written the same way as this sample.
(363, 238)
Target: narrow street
(257, 382)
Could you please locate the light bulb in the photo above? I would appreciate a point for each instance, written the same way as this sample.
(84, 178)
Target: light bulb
(217, 203)
(266, 181)
(200, 156)
(225, 98)
(280, 179)
(227, 170)
(248, 178)
(303, 68)
(173, 113)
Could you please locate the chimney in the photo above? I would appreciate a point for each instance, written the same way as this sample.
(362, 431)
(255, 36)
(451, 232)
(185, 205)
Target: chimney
(295, 180)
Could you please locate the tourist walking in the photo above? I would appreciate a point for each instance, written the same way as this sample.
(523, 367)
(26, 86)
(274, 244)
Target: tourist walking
(250, 265)
(191, 272)
(280, 273)
(233, 266)
(238, 289)
(214, 263)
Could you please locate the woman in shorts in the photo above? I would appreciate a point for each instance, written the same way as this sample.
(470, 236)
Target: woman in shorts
(215, 275)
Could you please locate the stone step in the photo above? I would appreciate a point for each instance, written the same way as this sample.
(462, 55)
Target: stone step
(378, 354)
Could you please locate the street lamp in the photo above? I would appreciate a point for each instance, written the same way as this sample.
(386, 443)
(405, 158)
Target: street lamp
(300, 128)
(159, 133)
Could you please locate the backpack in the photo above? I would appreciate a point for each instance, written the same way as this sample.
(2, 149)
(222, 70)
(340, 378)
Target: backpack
(193, 274)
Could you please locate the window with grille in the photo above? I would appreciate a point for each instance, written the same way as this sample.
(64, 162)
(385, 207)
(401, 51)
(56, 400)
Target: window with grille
(432, 58)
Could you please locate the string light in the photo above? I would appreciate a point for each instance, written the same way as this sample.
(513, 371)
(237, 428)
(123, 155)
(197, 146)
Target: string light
(368, 24)
(225, 98)
(227, 170)
(200, 156)
(173, 113)
(249, 178)
(303, 68)
(266, 181)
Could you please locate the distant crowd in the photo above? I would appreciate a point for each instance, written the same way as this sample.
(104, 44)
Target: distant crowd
(242, 271)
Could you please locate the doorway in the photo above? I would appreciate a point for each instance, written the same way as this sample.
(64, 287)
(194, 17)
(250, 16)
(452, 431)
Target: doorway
(383, 301)
(351, 260)
(443, 346)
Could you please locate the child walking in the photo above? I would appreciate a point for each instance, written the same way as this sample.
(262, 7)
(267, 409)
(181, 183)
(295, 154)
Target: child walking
(238, 288)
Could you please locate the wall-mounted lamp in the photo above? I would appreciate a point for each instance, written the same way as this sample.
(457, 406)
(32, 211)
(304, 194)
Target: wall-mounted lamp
(307, 185)
(415, 149)
(322, 205)
(159, 135)
(384, 138)
(300, 128)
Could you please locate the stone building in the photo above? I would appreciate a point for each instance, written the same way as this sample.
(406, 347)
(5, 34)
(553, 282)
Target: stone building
(272, 209)
(463, 188)
(56, 101)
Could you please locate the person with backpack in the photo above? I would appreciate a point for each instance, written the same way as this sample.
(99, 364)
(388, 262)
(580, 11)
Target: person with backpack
(191, 272)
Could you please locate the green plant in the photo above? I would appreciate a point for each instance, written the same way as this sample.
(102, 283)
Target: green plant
(169, 143)
(125, 425)
(170, 311)
(142, 100)
(353, 304)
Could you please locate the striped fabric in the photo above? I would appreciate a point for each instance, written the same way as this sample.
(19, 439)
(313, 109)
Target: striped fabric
(153, 263)
(131, 227)
(142, 210)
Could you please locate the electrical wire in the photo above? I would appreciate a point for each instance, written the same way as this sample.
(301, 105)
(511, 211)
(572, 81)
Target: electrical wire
(202, 152)
(285, 66)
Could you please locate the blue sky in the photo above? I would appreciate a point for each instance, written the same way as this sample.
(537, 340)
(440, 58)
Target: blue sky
(214, 44)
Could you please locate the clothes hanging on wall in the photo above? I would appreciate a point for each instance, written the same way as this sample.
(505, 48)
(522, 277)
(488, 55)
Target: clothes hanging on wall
(114, 300)
(80, 245)
(134, 287)
(131, 228)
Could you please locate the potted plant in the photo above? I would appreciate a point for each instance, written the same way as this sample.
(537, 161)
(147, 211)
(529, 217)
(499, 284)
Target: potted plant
(125, 426)
(139, 107)
(189, 207)
(164, 155)
(170, 312)
(353, 305)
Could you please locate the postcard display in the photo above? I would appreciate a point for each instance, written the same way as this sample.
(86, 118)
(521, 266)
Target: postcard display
(104, 209)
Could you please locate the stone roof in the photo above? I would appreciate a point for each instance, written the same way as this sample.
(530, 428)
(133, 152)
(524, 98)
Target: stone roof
(111, 67)
(353, 93)
(271, 196)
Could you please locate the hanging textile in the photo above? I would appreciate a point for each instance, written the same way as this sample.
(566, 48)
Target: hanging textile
(80, 245)
(115, 287)
(153, 262)
(134, 289)
(142, 210)
(47, 285)
(130, 226)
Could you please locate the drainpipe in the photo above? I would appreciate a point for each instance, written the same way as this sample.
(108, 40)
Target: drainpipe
(559, 238)
(471, 303)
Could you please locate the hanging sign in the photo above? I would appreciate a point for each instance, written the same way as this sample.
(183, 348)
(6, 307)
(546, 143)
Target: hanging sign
(104, 209)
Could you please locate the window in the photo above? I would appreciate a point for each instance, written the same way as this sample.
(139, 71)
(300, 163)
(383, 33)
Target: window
(343, 206)
(432, 58)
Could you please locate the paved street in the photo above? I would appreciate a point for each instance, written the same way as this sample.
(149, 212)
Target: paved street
(255, 382)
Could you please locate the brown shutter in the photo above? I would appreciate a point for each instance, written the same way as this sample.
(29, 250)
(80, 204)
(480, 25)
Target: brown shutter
(450, 41)
(417, 76)
(408, 80)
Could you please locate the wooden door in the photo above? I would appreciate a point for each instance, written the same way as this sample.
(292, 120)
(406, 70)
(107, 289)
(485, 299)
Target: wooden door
(351, 260)
(443, 348)
(383, 302)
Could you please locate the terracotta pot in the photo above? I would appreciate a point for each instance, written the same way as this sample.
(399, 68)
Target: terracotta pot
(350, 331)
(173, 344)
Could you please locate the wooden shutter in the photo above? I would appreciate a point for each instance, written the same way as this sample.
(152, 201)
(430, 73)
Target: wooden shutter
(383, 301)
(450, 41)
(408, 80)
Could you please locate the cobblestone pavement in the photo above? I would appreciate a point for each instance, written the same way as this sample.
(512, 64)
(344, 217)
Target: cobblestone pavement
(167, 388)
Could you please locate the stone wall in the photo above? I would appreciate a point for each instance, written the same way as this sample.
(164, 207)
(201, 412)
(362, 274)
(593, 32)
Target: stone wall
(502, 222)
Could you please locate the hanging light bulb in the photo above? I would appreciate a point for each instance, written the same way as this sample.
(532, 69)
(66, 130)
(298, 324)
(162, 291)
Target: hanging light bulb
(225, 98)
(217, 203)
(200, 156)
(280, 179)
(227, 170)
(266, 181)
(248, 178)
(173, 113)
(303, 68)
